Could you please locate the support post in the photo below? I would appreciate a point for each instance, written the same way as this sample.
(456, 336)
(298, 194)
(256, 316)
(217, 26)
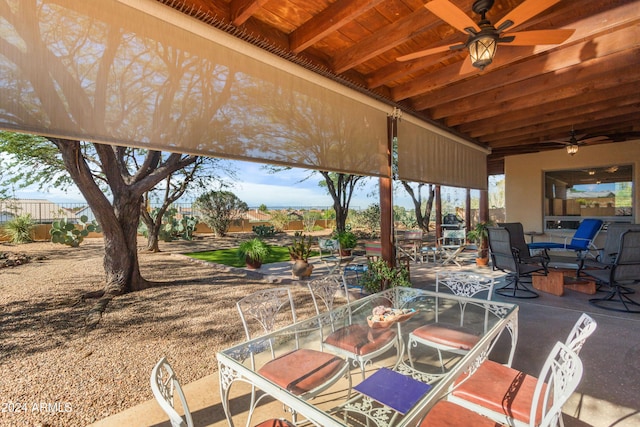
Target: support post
(386, 195)
(483, 211)
(467, 211)
(438, 213)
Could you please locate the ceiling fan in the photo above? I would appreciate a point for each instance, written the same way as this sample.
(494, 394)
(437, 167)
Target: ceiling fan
(484, 36)
(574, 141)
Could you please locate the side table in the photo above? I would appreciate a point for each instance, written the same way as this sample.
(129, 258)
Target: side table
(558, 279)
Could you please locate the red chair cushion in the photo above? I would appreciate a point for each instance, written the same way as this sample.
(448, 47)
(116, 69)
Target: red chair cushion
(501, 389)
(360, 339)
(275, 423)
(449, 335)
(447, 414)
(302, 370)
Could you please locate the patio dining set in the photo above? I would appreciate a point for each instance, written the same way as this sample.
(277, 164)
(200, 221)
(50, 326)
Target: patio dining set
(400, 357)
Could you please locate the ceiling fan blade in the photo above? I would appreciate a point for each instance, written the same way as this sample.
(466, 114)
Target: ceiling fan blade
(532, 38)
(588, 140)
(423, 53)
(452, 15)
(525, 11)
(613, 137)
(467, 68)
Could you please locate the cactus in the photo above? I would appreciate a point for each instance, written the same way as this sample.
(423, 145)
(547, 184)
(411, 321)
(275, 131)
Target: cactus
(300, 247)
(172, 228)
(264, 230)
(65, 232)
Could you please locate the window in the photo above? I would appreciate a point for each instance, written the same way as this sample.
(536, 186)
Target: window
(604, 192)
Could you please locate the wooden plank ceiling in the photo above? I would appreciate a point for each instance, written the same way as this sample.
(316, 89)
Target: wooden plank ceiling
(528, 96)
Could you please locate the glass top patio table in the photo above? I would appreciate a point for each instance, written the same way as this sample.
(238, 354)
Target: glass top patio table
(488, 319)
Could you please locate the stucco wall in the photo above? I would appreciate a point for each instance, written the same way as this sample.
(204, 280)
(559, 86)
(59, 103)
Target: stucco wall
(524, 175)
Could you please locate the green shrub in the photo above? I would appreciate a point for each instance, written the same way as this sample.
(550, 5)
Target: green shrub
(347, 239)
(369, 219)
(280, 220)
(309, 220)
(19, 229)
(380, 276)
(220, 209)
(254, 249)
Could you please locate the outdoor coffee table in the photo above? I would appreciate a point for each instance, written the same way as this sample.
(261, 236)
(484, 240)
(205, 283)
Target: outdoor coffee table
(363, 405)
(557, 279)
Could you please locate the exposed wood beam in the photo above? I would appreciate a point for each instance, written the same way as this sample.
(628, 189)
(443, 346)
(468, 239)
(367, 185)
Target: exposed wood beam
(328, 21)
(599, 82)
(535, 132)
(389, 37)
(205, 7)
(623, 123)
(592, 102)
(275, 38)
(241, 10)
(397, 70)
(480, 115)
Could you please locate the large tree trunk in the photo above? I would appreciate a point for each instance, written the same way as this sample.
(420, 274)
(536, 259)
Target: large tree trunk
(118, 219)
(341, 192)
(153, 230)
(422, 219)
(121, 249)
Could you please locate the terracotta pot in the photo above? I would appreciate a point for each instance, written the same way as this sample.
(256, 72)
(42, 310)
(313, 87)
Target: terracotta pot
(301, 269)
(251, 263)
(482, 262)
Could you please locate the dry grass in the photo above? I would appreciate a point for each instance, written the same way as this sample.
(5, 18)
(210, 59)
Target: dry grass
(49, 356)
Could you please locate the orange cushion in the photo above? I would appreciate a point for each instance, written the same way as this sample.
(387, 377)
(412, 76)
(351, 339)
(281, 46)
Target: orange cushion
(301, 370)
(360, 339)
(500, 389)
(447, 414)
(449, 335)
(275, 423)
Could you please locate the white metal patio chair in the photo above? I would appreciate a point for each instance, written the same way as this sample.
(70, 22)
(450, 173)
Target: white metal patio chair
(514, 398)
(354, 341)
(582, 329)
(331, 255)
(287, 370)
(164, 386)
(457, 339)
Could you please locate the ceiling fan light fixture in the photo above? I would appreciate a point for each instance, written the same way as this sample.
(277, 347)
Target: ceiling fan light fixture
(482, 49)
(572, 149)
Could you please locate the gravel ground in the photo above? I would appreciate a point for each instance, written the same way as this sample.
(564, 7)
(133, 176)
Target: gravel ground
(56, 372)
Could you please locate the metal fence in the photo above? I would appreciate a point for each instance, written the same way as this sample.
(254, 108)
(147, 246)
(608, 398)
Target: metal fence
(45, 212)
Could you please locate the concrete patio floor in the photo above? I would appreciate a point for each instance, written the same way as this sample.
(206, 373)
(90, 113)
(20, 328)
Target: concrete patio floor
(608, 395)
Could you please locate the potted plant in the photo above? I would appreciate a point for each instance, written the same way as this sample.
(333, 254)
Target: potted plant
(348, 241)
(380, 276)
(299, 251)
(254, 252)
(480, 236)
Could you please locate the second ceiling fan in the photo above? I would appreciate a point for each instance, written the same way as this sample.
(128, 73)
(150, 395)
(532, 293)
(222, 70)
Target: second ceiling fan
(484, 36)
